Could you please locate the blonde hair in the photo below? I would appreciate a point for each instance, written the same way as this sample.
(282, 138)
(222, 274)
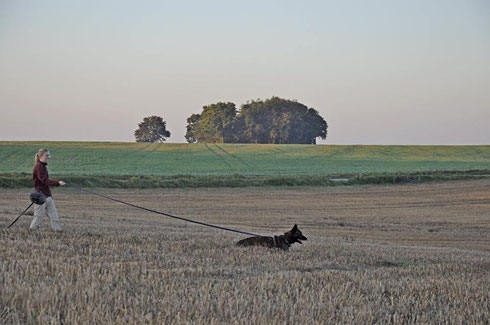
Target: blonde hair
(39, 154)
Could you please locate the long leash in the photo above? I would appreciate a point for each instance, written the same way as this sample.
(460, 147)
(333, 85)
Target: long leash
(20, 215)
(162, 213)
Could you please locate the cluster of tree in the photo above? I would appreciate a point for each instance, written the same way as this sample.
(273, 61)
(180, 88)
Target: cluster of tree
(273, 120)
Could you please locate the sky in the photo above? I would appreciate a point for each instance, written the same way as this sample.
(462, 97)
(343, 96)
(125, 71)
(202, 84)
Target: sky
(379, 72)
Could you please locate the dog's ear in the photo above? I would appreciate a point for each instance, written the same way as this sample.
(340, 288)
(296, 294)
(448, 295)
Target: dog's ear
(295, 228)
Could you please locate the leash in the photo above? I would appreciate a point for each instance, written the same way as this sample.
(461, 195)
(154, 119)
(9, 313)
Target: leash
(162, 213)
(20, 215)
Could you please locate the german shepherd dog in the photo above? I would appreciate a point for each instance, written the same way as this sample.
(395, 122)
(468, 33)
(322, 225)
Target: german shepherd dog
(281, 242)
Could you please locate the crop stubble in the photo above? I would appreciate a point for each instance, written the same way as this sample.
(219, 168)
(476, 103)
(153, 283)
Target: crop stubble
(385, 254)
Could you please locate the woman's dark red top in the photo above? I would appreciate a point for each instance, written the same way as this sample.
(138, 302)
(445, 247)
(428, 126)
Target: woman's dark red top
(41, 180)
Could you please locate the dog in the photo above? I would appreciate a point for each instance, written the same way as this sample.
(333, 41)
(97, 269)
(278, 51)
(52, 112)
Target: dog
(281, 242)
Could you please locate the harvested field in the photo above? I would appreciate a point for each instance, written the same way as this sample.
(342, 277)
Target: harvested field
(375, 254)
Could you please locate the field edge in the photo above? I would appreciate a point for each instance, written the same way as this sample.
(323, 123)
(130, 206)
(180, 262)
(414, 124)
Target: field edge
(23, 180)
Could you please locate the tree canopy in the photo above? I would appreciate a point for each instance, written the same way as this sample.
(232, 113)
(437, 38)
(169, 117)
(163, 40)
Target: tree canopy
(152, 129)
(214, 124)
(273, 120)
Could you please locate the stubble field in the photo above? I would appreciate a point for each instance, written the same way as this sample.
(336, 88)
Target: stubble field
(375, 254)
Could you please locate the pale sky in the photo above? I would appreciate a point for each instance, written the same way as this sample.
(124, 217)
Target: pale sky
(379, 72)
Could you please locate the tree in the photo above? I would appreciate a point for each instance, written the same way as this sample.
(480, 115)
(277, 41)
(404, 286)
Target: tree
(192, 128)
(152, 129)
(214, 125)
(316, 126)
(256, 122)
(277, 120)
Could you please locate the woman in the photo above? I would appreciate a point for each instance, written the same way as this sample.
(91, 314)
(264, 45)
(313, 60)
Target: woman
(41, 181)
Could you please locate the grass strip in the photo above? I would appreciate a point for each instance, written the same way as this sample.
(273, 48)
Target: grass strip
(23, 180)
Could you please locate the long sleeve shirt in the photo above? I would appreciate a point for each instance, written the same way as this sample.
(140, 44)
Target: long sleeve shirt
(41, 180)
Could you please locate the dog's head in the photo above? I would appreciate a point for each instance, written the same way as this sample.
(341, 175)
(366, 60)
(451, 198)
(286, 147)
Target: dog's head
(295, 235)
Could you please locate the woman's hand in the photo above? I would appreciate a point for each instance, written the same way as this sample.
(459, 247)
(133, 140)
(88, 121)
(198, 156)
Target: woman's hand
(62, 183)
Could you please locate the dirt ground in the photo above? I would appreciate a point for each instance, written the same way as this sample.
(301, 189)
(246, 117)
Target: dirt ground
(375, 254)
(447, 214)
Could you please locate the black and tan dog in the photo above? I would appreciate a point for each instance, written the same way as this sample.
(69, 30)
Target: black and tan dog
(281, 242)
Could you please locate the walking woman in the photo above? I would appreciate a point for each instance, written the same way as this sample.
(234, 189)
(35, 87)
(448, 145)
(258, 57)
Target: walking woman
(41, 181)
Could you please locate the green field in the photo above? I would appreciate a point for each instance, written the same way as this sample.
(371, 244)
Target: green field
(119, 160)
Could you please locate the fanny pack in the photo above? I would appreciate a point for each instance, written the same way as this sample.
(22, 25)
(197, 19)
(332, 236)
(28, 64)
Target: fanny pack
(38, 197)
